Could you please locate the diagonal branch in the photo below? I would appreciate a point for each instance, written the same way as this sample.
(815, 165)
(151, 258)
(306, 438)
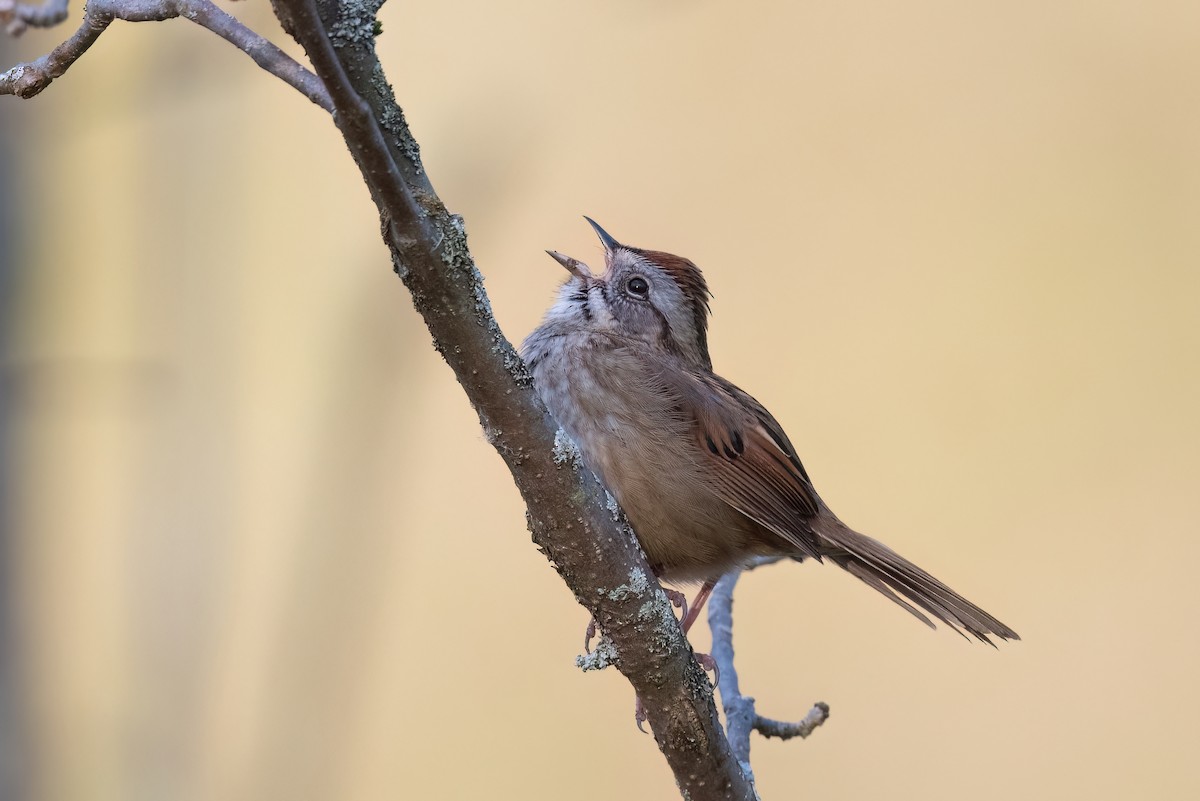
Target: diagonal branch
(27, 80)
(572, 519)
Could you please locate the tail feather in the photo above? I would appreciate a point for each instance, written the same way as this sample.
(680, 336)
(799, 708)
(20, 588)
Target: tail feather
(899, 579)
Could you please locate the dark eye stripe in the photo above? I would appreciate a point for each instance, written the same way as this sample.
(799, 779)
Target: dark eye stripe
(666, 337)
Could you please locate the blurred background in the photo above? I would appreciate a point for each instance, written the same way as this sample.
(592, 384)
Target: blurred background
(255, 546)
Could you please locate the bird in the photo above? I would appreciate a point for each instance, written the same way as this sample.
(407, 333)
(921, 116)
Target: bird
(705, 474)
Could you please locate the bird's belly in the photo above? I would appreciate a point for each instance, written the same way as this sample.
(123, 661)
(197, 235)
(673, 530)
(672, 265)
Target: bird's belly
(687, 532)
(641, 450)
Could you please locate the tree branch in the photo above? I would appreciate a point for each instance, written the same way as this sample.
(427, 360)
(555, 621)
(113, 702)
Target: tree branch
(740, 715)
(27, 80)
(573, 520)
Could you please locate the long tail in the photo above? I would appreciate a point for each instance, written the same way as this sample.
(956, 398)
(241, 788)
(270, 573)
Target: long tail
(899, 579)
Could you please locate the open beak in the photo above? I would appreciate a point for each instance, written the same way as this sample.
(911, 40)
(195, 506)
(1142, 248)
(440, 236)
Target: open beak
(609, 243)
(577, 268)
(574, 266)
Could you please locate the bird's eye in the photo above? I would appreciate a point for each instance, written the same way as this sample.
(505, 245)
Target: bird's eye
(637, 287)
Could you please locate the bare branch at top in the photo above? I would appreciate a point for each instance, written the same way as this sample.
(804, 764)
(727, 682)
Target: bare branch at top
(27, 80)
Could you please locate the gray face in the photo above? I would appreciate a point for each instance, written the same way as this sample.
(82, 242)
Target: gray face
(638, 300)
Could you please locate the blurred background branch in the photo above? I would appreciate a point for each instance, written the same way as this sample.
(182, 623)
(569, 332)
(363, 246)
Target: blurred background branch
(16, 16)
(14, 719)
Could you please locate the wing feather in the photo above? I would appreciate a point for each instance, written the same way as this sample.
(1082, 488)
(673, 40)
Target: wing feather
(748, 462)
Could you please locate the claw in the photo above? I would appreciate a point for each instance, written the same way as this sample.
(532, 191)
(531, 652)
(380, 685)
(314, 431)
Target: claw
(678, 600)
(708, 663)
(588, 634)
(639, 714)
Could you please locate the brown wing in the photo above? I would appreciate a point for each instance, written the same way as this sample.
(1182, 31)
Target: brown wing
(747, 461)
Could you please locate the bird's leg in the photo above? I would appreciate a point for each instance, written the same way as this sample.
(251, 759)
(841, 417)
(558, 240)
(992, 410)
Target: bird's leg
(706, 661)
(698, 602)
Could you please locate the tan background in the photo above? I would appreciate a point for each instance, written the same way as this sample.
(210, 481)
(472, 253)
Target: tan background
(259, 548)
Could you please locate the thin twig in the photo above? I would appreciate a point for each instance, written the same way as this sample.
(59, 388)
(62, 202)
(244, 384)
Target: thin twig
(27, 80)
(786, 731)
(740, 715)
(739, 710)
